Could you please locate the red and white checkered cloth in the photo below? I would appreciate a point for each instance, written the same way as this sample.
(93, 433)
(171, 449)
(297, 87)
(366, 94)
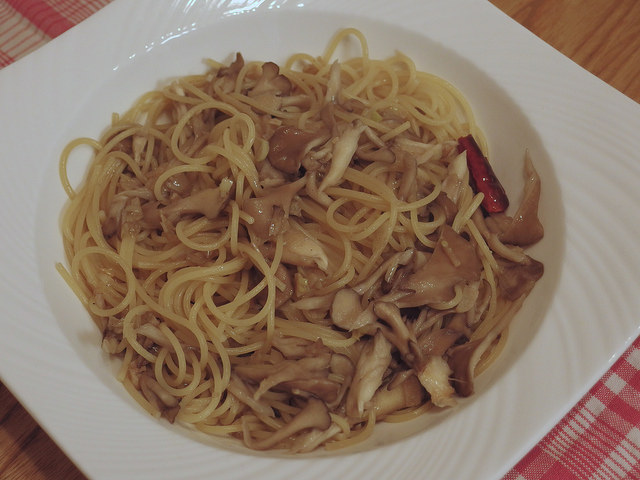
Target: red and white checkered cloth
(598, 439)
(28, 24)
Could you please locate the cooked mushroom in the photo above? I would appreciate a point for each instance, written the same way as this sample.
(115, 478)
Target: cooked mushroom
(434, 377)
(462, 366)
(291, 347)
(241, 391)
(227, 76)
(270, 210)
(343, 151)
(387, 269)
(372, 364)
(457, 178)
(325, 389)
(270, 88)
(448, 207)
(347, 311)
(308, 375)
(400, 335)
(309, 441)
(313, 415)
(390, 399)
(376, 154)
(525, 227)
(453, 262)
(288, 146)
(436, 342)
(303, 250)
(322, 302)
(271, 82)
(517, 279)
(208, 202)
(342, 368)
(506, 235)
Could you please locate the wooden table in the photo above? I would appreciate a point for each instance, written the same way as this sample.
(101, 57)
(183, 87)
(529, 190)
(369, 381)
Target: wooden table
(603, 36)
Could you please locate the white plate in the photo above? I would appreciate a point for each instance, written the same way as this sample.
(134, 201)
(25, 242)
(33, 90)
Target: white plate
(582, 134)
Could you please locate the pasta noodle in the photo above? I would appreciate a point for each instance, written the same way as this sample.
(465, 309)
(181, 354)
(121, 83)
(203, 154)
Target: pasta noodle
(288, 255)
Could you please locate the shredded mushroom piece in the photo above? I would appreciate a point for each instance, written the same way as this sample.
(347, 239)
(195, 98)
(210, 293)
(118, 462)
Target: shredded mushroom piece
(313, 415)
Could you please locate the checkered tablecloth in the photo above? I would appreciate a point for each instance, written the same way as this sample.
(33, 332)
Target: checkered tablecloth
(598, 439)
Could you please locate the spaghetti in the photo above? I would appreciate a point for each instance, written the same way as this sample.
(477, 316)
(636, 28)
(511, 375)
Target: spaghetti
(290, 254)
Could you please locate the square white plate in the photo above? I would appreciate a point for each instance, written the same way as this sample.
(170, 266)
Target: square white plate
(582, 135)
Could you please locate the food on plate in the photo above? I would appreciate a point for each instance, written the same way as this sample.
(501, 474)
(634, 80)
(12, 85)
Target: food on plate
(288, 254)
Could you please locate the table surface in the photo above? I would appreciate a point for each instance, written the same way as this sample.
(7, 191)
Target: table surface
(603, 36)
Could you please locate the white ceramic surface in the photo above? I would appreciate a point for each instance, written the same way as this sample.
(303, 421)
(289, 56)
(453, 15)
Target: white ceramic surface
(582, 134)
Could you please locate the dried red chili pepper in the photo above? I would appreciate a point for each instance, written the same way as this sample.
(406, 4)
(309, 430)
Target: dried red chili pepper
(482, 178)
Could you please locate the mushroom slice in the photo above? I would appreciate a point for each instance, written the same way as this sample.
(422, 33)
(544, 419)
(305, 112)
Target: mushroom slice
(323, 388)
(314, 415)
(462, 364)
(525, 227)
(390, 399)
(387, 269)
(434, 377)
(408, 186)
(390, 314)
(294, 370)
(457, 177)
(291, 347)
(287, 146)
(322, 302)
(227, 76)
(454, 262)
(436, 342)
(347, 312)
(341, 366)
(307, 442)
(208, 202)
(384, 155)
(271, 209)
(518, 279)
(303, 250)
(270, 82)
(372, 364)
(240, 390)
(343, 151)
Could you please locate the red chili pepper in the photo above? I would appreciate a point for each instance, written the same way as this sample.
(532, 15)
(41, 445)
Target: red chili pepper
(482, 178)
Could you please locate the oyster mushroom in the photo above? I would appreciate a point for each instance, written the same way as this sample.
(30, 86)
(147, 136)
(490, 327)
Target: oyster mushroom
(372, 364)
(392, 398)
(271, 209)
(347, 311)
(434, 377)
(288, 146)
(208, 202)
(453, 262)
(314, 415)
(400, 335)
(342, 153)
(270, 82)
(524, 228)
(270, 88)
(463, 366)
(227, 76)
(241, 391)
(303, 250)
